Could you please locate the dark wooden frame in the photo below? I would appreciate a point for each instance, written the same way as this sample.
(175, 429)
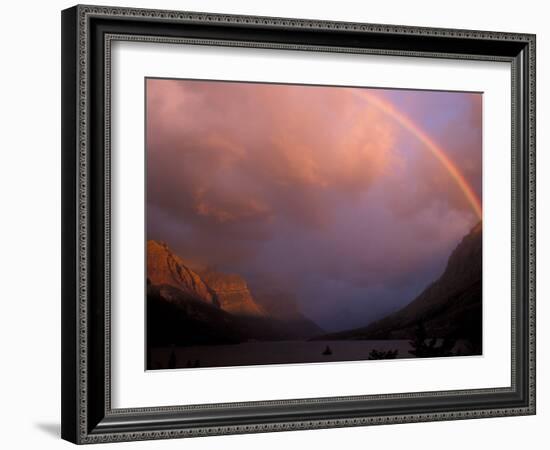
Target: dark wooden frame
(87, 32)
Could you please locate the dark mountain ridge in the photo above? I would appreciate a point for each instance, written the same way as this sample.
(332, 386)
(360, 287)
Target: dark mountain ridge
(450, 307)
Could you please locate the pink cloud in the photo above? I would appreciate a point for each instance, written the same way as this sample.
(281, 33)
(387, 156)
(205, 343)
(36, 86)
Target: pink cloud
(240, 152)
(310, 185)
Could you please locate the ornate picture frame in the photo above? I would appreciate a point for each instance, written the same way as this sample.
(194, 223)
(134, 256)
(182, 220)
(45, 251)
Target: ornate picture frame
(88, 33)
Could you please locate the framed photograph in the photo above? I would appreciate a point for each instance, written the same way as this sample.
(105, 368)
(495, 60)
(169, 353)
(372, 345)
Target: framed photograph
(277, 224)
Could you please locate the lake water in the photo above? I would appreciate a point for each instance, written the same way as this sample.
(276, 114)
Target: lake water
(273, 352)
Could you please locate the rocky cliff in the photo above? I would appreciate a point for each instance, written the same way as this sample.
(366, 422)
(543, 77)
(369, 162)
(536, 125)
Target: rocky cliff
(166, 268)
(231, 293)
(188, 304)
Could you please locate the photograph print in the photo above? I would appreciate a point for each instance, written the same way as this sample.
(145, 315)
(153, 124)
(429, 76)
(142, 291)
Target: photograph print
(292, 224)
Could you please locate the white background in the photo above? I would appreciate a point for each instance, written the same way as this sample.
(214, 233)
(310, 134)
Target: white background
(132, 387)
(30, 190)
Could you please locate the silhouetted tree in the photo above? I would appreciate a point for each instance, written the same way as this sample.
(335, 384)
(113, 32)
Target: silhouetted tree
(428, 348)
(381, 354)
(172, 359)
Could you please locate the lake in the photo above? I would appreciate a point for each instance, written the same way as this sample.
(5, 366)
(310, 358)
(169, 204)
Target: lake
(273, 352)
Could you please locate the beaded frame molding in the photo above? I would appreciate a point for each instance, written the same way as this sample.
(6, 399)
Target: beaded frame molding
(87, 35)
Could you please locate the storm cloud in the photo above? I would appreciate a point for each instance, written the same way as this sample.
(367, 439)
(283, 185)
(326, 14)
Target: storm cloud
(322, 192)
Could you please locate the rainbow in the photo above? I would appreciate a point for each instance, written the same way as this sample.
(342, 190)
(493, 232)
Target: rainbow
(387, 108)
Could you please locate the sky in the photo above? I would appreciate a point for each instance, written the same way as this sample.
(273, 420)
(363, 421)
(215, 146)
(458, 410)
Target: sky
(326, 193)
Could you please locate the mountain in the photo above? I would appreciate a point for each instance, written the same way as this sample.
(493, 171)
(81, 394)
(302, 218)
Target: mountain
(166, 268)
(188, 305)
(449, 307)
(231, 293)
(228, 291)
(176, 318)
(278, 303)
